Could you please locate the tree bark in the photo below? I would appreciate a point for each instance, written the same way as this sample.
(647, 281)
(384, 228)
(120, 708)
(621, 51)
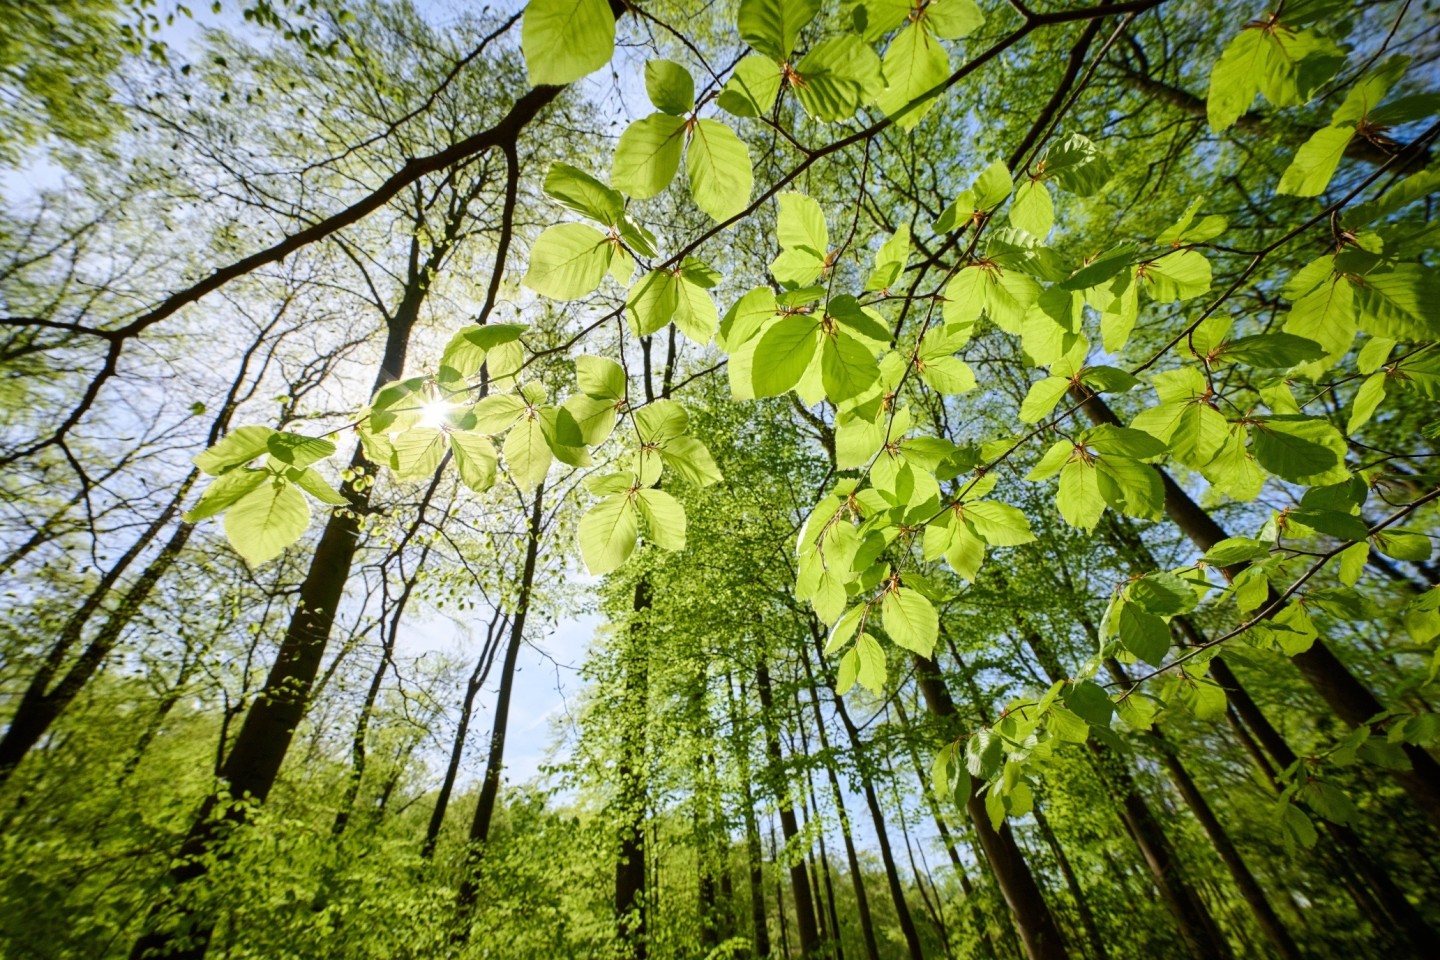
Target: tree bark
(1036, 924)
(807, 927)
(495, 762)
(1351, 700)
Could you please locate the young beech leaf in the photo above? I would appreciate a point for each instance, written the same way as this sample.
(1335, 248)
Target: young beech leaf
(564, 40)
(871, 673)
(608, 532)
(910, 620)
(267, 520)
(669, 86)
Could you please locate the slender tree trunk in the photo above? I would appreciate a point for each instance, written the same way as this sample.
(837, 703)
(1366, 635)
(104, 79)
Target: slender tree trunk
(1194, 922)
(630, 866)
(495, 762)
(947, 839)
(754, 855)
(1077, 893)
(805, 921)
(250, 769)
(1250, 890)
(1351, 700)
(462, 731)
(779, 894)
(40, 705)
(1397, 916)
(1036, 924)
(932, 907)
(1390, 911)
(857, 877)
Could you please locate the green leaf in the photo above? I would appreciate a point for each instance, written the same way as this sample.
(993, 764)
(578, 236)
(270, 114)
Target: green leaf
(497, 413)
(296, 450)
(1316, 161)
(772, 27)
(1078, 165)
(889, 261)
(800, 224)
(475, 458)
(652, 302)
(1182, 275)
(527, 454)
(691, 459)
(837, 77)
(594, 418)
(238, 447)
(1235, 79)
(953, 19)
(648, 155)
(417, 452)
(263, 523)
(847, 368)
(661, 421)
(465, 353)
(1399, 302)
(310, 480)
(783, 353)
(1089, 702)
(564, 40)
(1033, 210)
(1277, 351)
(1132, 487)
(984, 752)
(576, 190)
(1301, 450)
(1367, 400)
(670, 87)
(1403, 545)
(910, 620)
(999, 523)
(608, 532)
(871, 656)
(1040, 401)
(224, 491)
(1144, 634)
(718, 163)
(1079, 498)
(664, 518)
(1233, 550)
(568, 261)
(600, 377)
(915, 63)
(752, 88)
(847, 673)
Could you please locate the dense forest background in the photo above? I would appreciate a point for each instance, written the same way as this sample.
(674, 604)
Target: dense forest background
(397, 565)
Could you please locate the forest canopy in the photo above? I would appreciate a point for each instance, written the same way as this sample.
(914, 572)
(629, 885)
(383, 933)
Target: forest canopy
(762, 478)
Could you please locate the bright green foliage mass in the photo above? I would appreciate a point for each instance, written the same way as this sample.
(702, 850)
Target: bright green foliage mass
(1007, 463)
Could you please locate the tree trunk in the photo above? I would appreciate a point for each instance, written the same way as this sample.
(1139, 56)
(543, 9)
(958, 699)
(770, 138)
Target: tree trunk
(877, 816)
(1351, 700)
(1194, 922)
(1036, 924)
(1250, 889)
(495, 762)
(753, 853)
(462, 730)
(805, 921)
(254, 760)
(630, 866)
(947, 839)
(1072, 882)
(857, 878)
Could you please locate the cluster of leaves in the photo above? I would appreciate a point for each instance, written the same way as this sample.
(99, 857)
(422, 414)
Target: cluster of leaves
(870, 552)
